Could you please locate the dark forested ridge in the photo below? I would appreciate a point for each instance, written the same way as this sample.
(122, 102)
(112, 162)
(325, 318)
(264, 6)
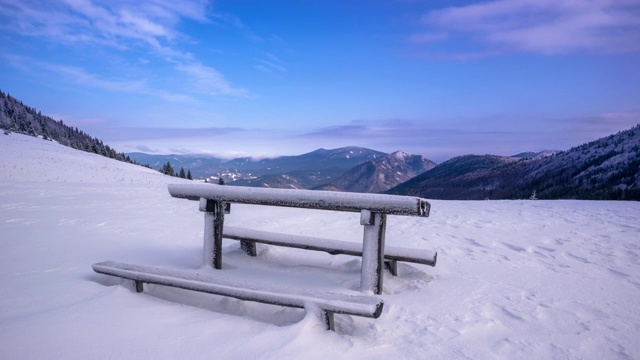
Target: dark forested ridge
(19, 118)
(604, 169)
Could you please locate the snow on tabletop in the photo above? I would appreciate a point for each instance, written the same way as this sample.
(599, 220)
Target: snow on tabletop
(514, 280)
(329, 200)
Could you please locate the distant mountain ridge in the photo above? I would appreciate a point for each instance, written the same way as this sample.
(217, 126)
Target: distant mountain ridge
(333, 161)
(381, 174)
(608, 168)
(350, 168)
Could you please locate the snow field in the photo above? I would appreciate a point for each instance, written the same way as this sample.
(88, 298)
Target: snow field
(514, 279)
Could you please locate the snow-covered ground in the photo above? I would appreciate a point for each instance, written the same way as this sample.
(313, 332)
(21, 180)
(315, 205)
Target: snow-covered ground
(514, 279)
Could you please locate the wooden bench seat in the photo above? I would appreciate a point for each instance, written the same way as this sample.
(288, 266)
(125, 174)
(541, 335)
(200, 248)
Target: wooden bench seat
(219, 284)
(392, 254)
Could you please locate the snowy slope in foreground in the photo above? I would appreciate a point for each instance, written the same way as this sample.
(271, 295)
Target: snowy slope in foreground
(514, 280)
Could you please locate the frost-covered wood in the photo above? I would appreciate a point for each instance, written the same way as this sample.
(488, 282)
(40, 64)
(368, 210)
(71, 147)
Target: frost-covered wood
(219, 284)
(326, 200)
(213, 226)
(373, 209)
(331, 246)
(373, 253)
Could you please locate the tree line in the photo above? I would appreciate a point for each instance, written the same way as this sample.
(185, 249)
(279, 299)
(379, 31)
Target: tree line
(20, 118)
(167, 169)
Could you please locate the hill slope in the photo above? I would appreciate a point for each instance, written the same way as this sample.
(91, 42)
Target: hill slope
(29, 159)
(22, 119)
(608, 168)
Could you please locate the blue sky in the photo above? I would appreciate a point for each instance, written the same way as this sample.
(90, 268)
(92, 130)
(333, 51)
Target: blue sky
(266, 78)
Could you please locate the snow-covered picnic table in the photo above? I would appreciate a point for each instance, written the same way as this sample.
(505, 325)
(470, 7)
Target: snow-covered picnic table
(215, 201)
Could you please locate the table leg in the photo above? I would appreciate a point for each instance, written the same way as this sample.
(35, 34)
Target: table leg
(372, 251)
(213, 225)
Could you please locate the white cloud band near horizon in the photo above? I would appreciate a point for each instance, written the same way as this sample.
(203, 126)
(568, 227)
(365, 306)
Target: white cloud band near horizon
(435, 141)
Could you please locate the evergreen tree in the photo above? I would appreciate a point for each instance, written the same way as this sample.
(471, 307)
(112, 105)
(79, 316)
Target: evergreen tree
(189, 175)
(220, 181)
(167, 169)
(182, 175)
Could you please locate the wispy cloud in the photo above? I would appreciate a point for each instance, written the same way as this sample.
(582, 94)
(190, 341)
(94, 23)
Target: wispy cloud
(498, 135)
(604, 124)
(395, 130)
(117, 133)
(127, 25)
(538, 26)
(351, 132)
(209, 81)
(115, 23)
(227, 19)
(80, 76)
(146, 149)
(433, 141)
(270, 65)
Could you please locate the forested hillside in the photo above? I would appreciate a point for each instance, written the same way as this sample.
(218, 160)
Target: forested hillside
(20, 118)
(605, 169)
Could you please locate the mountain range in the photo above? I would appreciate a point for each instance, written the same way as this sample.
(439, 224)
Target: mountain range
(380, 174)
(608, 168)
(344, 169)
(331, 162)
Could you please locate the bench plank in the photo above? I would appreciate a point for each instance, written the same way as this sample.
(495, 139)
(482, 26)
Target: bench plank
(359, 305)
(310, 199)
(334, 247)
